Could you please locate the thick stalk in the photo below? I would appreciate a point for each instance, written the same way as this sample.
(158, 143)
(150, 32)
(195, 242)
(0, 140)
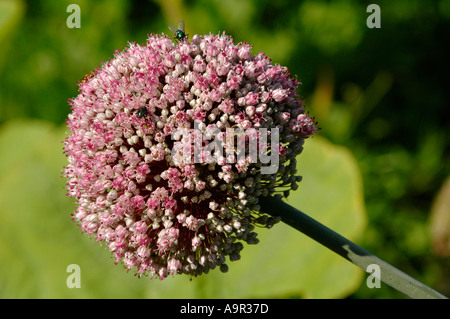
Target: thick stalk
(347, 249)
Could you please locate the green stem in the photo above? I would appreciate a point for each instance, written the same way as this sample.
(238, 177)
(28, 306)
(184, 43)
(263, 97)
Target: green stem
(347, 249)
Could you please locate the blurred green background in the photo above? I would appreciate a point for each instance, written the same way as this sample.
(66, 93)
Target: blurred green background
(378, 172)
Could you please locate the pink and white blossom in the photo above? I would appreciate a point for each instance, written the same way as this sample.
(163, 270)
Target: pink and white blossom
(157, 215)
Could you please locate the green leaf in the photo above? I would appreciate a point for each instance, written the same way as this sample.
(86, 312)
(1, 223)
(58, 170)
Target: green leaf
(39, 239)
(10, 13)
(332, 193)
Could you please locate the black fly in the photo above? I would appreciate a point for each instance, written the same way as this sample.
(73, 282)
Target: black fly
(142, 112)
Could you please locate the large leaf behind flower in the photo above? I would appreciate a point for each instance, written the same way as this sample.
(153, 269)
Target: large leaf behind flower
(38, 239)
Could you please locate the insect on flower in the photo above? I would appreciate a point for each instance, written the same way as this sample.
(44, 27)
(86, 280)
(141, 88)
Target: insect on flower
(179, 33)
(88, 76)
(142, 112)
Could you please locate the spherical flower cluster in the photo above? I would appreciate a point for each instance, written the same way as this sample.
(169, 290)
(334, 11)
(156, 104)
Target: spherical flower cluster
(161, 216)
